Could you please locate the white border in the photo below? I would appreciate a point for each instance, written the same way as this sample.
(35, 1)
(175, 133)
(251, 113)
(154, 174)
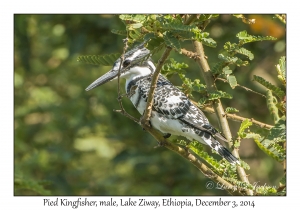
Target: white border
(8, 8)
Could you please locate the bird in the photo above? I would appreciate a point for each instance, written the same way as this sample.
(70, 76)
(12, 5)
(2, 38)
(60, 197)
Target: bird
(172, 112)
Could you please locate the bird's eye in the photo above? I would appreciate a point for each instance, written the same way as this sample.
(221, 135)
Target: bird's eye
(126, 63)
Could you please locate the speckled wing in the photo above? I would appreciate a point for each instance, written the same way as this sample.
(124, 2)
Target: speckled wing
(172, 103)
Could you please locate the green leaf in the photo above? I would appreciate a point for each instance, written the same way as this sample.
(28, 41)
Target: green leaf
(267, 151)
(231, 110)
(232, 60)
(233, 48)
(171, 41)
(229, 47)
(149, 36)
(133, 18)
(283, 181)
(154, 42)
(244, 125)
(228, 59)
(106, 60)
(227, 70)
(198, 87)
(204, 38)
(204, 17)
(209, 42)
(265, 190)
(245, 20)
(281, 70)
(189, 86)
(252, 136)
(119, 32)
(218, 94)
(202, 102)
(136, 25)
(245, 52)
(35, 186)
(272, 145)
(244, 37)
(230, 173)
(179, 142)
(271, 103)
(240, 62)
(174, 67)
(279, 130)
(197, 148)
(276, 90)
(282, 63)
(218, 67)
(237, 144)
(178, 26)
(135, 34)
(244, 165)
(232, 81)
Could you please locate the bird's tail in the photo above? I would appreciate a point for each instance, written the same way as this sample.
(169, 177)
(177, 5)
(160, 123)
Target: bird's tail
(219, 148)
(225, 153)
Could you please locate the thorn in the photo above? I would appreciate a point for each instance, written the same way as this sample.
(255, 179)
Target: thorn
(160, 144)
(125, 40)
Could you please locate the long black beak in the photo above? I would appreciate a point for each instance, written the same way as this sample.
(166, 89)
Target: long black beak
(103, 79)
(113, 73)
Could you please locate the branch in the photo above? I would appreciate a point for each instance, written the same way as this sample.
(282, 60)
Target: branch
(119, 91)
(146, 117)
(237, 118)
(144, 122)
(195, 161)
(247, 89)
(190, 19)
(229, 116)
(207, 75)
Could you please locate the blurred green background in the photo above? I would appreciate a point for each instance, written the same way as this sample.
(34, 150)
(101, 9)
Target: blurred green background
(70, 142)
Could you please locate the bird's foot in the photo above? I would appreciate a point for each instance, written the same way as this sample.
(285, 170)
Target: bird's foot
(167, 135)
(148, 125)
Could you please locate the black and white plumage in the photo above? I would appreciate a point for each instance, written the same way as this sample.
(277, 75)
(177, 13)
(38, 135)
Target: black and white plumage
(172, 112)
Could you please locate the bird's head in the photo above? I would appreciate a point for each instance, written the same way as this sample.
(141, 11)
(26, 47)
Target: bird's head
(136, 63)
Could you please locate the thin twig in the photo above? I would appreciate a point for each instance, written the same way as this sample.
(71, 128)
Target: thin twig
(190, 19)
(229, 116)
(209, 80)
(195, 56)
(120, 96)
(237, 118)
(282, 18)
(146, 117)
(245, 88)
(194, 160)
(159, 137)
(125, 41)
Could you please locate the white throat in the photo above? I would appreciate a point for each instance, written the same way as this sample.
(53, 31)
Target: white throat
(138, 71)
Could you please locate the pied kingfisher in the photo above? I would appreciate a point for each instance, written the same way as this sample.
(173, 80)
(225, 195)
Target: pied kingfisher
(172, 111)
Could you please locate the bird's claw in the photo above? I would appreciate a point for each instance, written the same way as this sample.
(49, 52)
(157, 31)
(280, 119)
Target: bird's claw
(167, 135)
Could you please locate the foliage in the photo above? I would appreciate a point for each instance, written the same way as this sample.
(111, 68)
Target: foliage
(106, 60)
(62, 132)
(273, 88)
(169, 28)
(196, 147)
(273, 143)
(245, 124)
(231, 110)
